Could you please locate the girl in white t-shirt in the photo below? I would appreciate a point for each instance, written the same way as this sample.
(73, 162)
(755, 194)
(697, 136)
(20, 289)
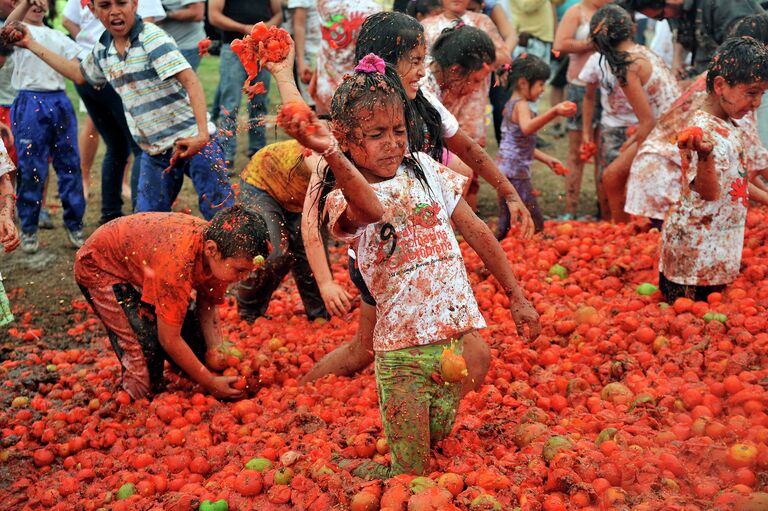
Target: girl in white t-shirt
(399, 40)
(636, 88)
(396, 209)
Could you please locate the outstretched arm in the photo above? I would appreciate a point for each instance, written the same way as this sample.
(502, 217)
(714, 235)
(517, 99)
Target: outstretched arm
(62, 65)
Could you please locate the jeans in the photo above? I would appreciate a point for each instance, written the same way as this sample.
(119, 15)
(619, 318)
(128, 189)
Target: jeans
(288, 254)
(106, 110)
(45, 128)
(193, 57)
(232, 76)
(159, 184)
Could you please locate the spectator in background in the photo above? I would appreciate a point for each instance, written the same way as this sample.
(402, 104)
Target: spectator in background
(303, 23)
(534, 21)
(105, 109)
(702, 25)
(235, 18)
(421, 9)
(184, 22)
(559, 62)
(340, 22)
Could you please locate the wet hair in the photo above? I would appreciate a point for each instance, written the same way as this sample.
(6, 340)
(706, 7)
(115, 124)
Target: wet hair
(423, 7)
(361, 92)
(391, 36)
(755, 26)
(609, 26)
(238, 232)
(468, 47)
(527, 66)
(739, 60)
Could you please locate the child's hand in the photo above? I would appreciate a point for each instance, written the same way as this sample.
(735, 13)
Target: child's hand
(337, 300)
(15, 33)
(523, 313)
(301, 123)
(557, 167)
(6, 134)
(566, 109)
(9, 236)
(517, 210)
(692, 139)
(220, 386)
(190, 146)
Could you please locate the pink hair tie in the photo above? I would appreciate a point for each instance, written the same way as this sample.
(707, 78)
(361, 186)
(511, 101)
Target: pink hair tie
(371, 63)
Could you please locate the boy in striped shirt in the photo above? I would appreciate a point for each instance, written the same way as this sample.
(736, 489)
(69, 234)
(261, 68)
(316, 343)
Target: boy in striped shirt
(164, 105)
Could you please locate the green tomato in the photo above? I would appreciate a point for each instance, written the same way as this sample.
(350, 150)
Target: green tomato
(421, 483)
(606, 434)
(715, 316)
(126, 491)
(553, 445)
(558, 270)
(646, 289)
(219, 505)
(258, 464)
(485, 501)
(283, 475)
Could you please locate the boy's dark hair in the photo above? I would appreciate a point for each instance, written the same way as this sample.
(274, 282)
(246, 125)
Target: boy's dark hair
(738, 60)
(527, 66)
(468, 47)
(423, 7)
(755, 26)
(391, 36)
(238, 232)
(609, 26)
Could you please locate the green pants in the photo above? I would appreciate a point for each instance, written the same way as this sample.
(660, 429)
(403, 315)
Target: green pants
(417, 408)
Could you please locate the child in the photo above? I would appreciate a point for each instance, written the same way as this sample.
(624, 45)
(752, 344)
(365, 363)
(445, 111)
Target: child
(463, 58)
(636, 88)
(703, 233)
(9, 236)
(274, 185)
(525, 78)
(165, 109)
(138, 273)
(399, 40)
(421, 9)
(572, 38)
(340, 22)
(416, 259)
(45, 127)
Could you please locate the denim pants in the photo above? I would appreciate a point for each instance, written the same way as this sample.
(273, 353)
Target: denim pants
(288, 254)
(193, 57)
(232, 76)
(106, 111)
(159, 185)
(45, 127)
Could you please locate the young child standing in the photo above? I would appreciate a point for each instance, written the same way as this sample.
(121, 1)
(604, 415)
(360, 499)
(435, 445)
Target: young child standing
(138, 273)
(525, 78)
(165, 109)
(45, 128)
(414, 259)
(703, 233)
(636, 87)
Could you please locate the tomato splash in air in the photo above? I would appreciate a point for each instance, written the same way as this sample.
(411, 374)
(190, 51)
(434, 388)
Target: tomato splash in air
(264, 44)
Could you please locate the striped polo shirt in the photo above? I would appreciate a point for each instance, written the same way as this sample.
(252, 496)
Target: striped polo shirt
(157, 107)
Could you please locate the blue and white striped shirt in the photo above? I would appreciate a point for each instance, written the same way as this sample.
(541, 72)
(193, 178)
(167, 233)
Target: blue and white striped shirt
(157, 107)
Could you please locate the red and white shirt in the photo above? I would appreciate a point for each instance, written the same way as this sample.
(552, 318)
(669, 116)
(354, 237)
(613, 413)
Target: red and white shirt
(410, 259)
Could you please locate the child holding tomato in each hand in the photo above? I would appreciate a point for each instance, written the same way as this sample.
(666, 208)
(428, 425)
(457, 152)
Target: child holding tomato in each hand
(525, 77)
(703, 233)
(139, 273)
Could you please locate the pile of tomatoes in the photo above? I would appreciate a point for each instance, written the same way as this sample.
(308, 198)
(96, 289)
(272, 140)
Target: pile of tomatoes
(624, 402)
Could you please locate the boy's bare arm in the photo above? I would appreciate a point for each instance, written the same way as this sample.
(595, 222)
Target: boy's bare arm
(18, 12)
(9, 236)
(482, 241)
(62, 65)
(192, 145)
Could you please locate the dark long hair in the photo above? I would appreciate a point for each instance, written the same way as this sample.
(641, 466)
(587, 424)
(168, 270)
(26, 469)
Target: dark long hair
(366, 91)
(467, 47)
(609, 26)
(391, 36)
(530, 67)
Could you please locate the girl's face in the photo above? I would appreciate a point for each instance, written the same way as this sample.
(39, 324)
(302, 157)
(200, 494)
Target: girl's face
(740, 99)
(455, 7)
(35, 14)
(410, 68)
(463, 84)
(531, 92)
(378, 143)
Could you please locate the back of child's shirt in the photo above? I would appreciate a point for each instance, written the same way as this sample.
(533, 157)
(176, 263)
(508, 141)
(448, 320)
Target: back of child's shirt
(160, 254)
(410, 259)
(280, 170)
(157, 107)
(661, 88)
(515, 155)
(32, 73)
(702, 240)
(340, 22)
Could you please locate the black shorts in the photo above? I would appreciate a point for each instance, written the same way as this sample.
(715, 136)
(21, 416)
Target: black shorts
(673, 291)
(357, 280)
(559, 67)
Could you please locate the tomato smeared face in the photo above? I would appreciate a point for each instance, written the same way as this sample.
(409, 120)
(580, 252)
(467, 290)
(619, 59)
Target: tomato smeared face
(378, 142)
